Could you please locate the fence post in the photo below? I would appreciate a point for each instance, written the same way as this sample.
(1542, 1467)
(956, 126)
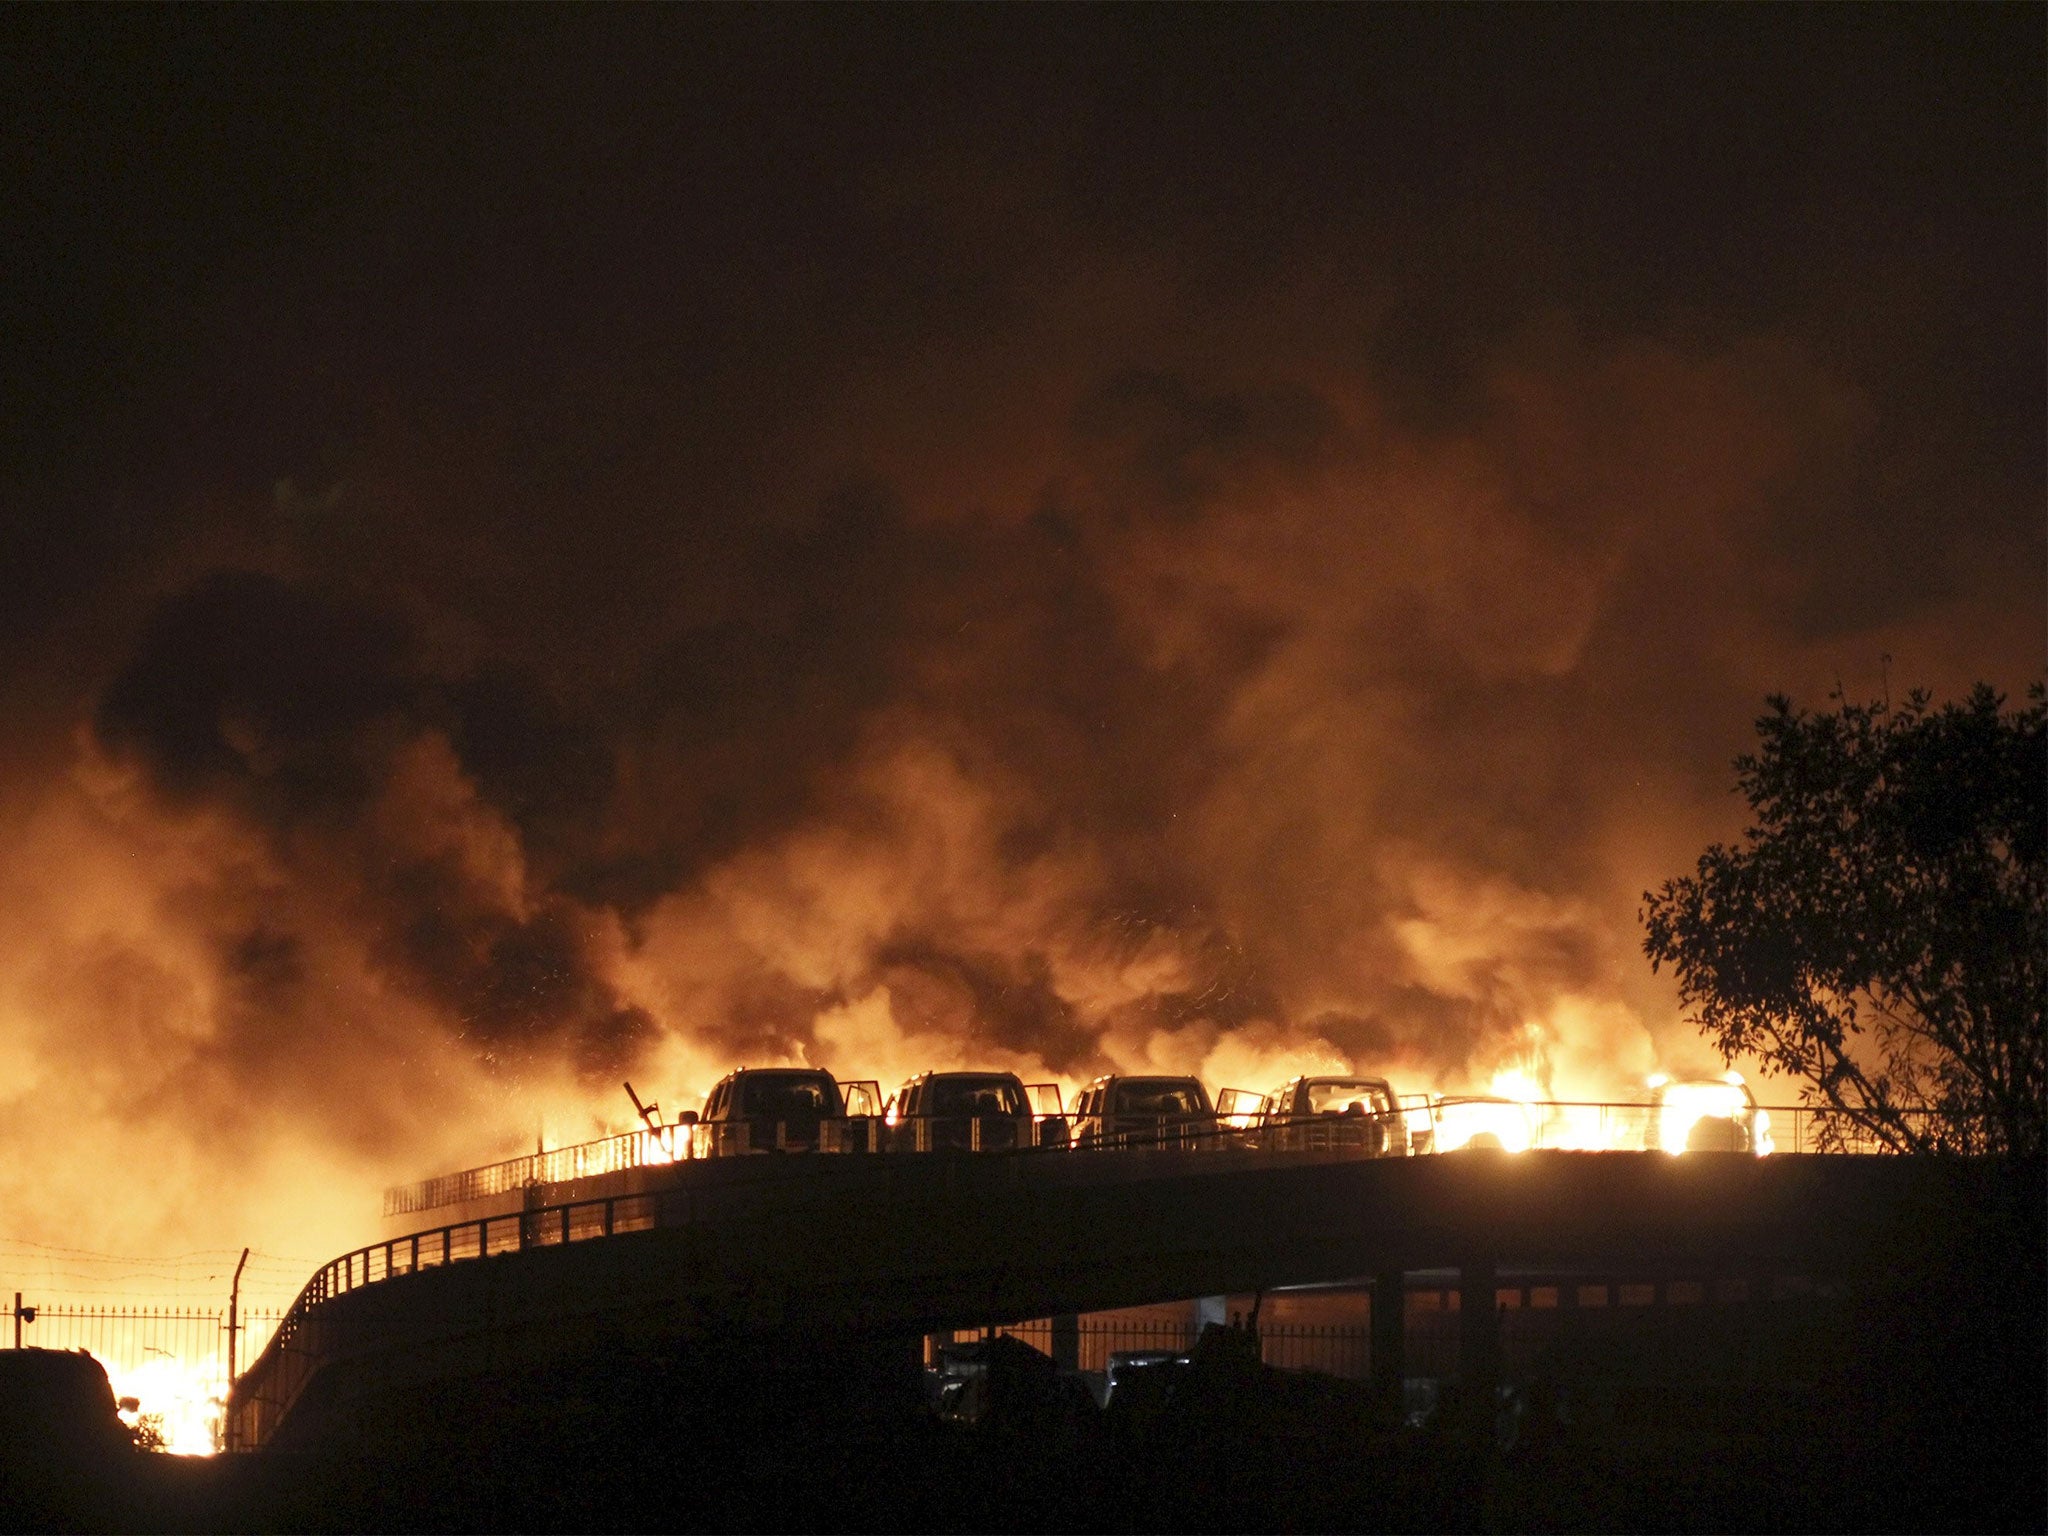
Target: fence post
(1066, 1341)
(234, 1307)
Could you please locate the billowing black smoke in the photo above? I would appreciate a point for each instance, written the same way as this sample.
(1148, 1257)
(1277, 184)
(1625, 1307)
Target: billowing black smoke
(542, 547)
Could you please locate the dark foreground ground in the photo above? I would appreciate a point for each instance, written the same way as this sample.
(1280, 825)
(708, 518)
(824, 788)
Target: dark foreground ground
(1913, 1400)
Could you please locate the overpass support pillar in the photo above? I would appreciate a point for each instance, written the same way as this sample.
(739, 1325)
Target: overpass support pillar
(1389, 1333)
(1478, 1341)
(1066, 1341)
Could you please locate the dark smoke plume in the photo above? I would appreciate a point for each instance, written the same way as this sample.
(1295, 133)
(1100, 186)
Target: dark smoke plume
(1061, 541)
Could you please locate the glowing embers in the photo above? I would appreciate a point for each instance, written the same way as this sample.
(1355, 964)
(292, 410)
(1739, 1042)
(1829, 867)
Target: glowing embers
(1708, 1115)
(180, 1401)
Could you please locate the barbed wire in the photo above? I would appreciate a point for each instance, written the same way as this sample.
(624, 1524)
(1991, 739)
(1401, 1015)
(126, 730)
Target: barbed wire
(56, 1276)
(159, 1258)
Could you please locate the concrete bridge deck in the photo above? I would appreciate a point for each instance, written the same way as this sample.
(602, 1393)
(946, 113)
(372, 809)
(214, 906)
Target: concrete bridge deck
(802, 1247)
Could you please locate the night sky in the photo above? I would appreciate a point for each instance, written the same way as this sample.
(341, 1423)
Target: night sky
(544, 545)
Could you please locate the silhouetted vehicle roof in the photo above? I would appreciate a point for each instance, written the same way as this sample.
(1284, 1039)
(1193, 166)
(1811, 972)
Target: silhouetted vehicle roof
(973, 1093)
(774, 1093)
(56, 1402)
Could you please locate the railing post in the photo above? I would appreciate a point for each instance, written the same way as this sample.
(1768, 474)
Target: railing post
(565, 1226)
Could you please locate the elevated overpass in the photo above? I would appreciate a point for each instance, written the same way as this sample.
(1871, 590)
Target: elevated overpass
(821, 1247)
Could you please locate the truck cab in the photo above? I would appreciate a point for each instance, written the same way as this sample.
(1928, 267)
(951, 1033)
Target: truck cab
(1117, 1111)
(960, 1112)
(1329, 1113)
(768, 1109)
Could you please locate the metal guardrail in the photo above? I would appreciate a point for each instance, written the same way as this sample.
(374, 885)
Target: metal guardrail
(286, 1365)
(1441, 1125)
(635, 1149)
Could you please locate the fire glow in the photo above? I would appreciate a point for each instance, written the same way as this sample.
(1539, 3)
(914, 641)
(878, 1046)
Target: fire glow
(183, 1401)
(330, 978)
(942, 611)
(1677, 1116)
(1501, 1124)
(1722, 1113)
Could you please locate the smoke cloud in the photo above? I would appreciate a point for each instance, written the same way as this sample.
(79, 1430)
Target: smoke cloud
(1152, 605)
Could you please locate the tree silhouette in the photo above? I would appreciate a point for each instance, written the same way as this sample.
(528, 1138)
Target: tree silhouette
(1880, 932)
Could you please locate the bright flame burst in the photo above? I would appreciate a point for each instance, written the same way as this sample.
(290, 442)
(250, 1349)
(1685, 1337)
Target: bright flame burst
(1517, 1113)
(187, 1401)
(1484, 1122)
(1722, 1114)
